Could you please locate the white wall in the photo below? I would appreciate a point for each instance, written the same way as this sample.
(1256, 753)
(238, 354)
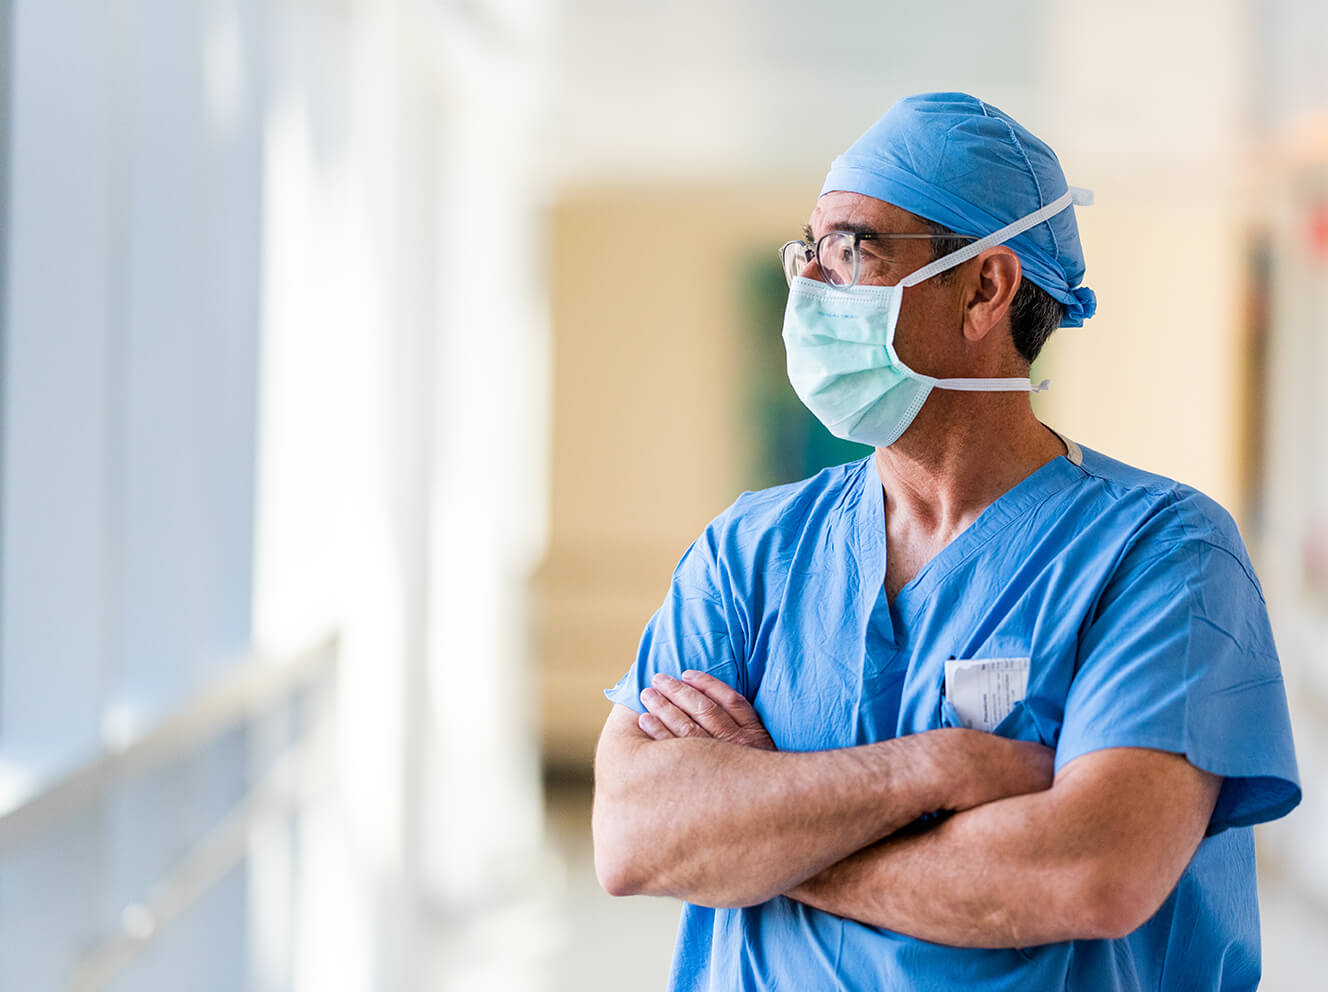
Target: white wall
(247, 393)
(131, 336)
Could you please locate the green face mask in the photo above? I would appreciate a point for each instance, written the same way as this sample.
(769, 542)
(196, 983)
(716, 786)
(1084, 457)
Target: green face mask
(841, 347)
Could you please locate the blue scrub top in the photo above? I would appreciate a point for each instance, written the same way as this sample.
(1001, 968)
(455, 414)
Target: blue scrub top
(1134, 599)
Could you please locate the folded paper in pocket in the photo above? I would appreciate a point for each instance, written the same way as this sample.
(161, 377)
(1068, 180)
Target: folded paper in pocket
(983, 691)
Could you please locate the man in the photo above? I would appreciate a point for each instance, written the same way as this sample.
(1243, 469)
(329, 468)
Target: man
(1070, 656)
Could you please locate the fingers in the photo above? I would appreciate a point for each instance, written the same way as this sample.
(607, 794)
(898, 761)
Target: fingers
(696, 705)
(730, 699)
(670, 717)
(653, 727)
(700, 705)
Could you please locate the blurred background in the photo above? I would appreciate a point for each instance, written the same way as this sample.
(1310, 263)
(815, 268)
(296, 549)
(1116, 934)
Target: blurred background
(368, 364)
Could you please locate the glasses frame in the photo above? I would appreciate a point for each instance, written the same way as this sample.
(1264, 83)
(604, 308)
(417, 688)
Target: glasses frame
(858, 238)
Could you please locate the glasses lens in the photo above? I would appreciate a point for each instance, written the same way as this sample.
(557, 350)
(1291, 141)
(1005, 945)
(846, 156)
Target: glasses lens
(837, 254)
(795, 255)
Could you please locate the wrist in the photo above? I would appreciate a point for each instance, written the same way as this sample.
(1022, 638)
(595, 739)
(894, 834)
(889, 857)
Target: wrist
(923, 774)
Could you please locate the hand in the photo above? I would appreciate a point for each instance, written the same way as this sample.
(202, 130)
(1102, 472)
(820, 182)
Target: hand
(701, 706)
(985, 767)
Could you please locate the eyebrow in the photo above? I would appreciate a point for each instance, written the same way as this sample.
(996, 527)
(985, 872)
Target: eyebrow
(884, 248)
(851, 228)
(848, 226)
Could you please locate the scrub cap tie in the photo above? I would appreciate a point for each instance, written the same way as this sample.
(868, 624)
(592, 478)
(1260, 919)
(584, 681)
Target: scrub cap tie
(962, 163)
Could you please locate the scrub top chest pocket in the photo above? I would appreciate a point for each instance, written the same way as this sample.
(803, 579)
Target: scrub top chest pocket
(989, 694)
(983, 691)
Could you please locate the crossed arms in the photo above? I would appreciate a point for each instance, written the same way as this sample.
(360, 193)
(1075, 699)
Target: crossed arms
(693, 801)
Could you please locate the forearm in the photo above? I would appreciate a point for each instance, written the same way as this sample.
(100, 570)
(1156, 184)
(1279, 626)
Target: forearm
(1092, 857)
(987, 877)
(723, 825)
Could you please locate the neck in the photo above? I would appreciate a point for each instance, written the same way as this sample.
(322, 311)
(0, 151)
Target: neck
(962, 452)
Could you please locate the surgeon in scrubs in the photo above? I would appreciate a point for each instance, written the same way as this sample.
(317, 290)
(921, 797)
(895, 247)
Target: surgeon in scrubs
(985, 710)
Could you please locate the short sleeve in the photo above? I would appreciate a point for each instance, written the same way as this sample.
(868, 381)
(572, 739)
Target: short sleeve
(1179, 656)
(695, 628)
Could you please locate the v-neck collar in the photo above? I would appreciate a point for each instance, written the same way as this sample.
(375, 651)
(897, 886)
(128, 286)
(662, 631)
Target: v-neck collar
(870, 537)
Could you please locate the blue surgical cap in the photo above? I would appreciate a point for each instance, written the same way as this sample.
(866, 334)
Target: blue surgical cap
(962, 163)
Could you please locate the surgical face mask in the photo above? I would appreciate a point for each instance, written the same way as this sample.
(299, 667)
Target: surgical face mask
(841, 346)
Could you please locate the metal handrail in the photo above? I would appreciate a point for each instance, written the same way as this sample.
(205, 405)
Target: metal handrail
(288, 785)
(231, 698)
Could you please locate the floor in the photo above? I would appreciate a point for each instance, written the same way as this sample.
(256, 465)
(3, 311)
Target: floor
(572, 936)
(608, 943)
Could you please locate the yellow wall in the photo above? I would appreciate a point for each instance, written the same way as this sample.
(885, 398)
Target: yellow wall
(1155, 379)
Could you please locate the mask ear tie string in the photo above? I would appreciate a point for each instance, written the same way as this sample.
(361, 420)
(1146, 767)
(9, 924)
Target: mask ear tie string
(992, 385)
(1075, 195)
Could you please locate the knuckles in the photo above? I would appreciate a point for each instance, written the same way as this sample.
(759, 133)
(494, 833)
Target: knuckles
(707, 708)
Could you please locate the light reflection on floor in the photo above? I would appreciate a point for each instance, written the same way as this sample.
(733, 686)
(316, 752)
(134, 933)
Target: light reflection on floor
(566, 934)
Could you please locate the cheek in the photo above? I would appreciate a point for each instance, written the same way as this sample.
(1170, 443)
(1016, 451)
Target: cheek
(930, 329)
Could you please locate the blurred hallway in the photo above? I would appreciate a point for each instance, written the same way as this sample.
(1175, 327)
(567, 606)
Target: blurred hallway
(367, 365)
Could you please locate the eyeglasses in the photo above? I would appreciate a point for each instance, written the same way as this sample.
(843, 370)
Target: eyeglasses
(838, 254)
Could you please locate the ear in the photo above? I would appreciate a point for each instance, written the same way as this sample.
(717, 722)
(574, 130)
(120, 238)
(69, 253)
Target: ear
(993, 284)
